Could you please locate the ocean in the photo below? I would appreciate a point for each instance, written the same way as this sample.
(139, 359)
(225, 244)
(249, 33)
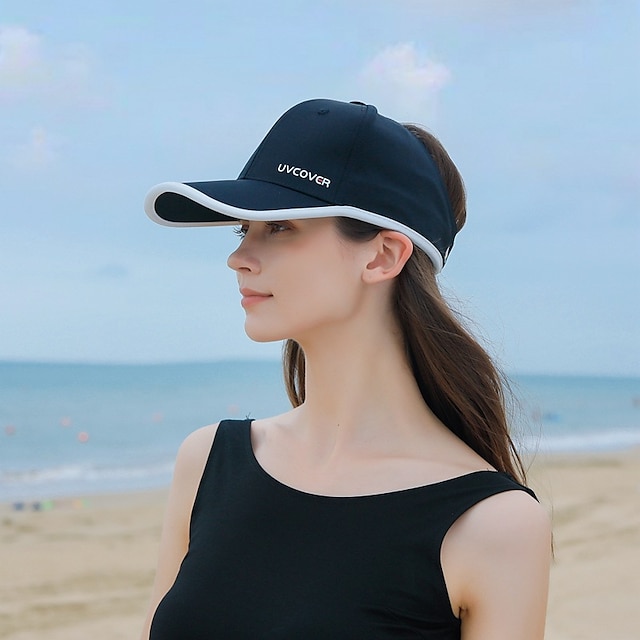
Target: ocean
(79, 429)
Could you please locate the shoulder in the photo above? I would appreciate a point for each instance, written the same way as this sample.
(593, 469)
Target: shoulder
(191, 459)
(496, 559)
(196, 446)
(194, 452)
(510, 519)
(504, 523)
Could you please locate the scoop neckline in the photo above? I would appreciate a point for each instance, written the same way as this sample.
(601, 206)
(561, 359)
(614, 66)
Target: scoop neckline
(365, 496)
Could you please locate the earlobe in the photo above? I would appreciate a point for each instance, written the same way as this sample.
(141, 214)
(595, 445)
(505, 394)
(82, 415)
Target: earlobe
(393, 251)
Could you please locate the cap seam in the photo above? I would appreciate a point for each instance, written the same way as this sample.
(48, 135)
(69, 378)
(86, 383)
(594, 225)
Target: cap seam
(356, 137)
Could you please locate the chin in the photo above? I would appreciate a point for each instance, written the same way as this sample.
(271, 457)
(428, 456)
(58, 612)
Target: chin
(260, 334)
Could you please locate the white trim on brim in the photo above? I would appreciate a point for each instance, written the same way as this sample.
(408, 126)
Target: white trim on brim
(273, 215)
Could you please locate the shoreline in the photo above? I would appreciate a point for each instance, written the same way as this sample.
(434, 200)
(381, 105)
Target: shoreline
(84, 568)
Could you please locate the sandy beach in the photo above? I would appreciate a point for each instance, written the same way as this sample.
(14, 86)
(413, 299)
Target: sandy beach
(82, 568)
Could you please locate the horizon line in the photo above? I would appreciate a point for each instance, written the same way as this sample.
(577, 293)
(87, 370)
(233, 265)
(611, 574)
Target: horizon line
(269, 360)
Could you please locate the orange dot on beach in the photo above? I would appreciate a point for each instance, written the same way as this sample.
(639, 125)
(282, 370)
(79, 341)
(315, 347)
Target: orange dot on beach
(83, 436)
(10, 430)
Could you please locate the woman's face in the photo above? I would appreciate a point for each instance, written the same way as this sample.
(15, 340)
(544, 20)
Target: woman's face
(297, 278)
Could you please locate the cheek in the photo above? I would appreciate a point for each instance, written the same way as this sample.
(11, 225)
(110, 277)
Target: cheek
(324, 290)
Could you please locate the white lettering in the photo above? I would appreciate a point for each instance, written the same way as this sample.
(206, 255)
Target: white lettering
(298, 172)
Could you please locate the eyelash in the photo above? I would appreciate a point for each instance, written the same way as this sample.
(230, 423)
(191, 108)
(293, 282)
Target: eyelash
(274, 227)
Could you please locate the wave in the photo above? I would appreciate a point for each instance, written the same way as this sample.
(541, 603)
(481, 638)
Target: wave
(76, 479)
(582, 442)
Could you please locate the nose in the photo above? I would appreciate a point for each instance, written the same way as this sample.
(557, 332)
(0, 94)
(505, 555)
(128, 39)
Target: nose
(243, 259)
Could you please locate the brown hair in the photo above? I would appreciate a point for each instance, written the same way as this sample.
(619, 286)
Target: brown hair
(456, 376)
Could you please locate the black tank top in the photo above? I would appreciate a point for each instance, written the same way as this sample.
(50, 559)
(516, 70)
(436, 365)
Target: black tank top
(269, 562)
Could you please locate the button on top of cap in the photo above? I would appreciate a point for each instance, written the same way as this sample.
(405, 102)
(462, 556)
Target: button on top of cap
(322, 112)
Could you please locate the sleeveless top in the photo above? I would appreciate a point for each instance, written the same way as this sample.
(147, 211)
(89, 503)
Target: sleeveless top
(269, 562)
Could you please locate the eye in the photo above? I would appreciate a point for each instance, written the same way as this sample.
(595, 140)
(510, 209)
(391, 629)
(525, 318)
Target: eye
(278, 227)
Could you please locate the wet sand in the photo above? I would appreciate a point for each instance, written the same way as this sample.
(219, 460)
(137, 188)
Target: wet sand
(82, 568)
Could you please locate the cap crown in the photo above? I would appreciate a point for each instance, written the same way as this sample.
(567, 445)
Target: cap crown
(348, 154)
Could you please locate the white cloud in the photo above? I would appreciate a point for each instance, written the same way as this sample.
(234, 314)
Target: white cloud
(40, 150)
(21, 61)
(31, 68)
(403, 83)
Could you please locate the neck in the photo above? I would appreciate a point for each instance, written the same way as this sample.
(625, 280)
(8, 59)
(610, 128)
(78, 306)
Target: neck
(359, 385)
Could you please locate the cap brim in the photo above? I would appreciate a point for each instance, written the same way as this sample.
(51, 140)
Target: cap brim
(225, 202)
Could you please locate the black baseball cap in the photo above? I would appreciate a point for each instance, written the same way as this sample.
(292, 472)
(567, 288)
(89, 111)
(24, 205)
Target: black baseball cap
(325, 158)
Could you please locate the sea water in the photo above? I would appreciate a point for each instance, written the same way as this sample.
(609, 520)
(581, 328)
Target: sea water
(71, 429)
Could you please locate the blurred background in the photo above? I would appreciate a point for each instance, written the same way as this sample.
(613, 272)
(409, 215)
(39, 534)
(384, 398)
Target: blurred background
(118, 337)
(536, 101)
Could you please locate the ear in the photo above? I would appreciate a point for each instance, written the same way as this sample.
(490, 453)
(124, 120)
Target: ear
(393, 249)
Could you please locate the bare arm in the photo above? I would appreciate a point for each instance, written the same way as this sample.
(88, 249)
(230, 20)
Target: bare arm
(496, 560)
(190, 462)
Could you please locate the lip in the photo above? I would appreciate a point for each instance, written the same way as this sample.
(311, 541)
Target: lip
(251, 297)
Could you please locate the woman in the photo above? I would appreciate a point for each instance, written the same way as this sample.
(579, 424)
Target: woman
(389, 502)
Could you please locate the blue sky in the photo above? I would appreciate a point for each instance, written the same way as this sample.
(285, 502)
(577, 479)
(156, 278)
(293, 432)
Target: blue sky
(537, 101)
